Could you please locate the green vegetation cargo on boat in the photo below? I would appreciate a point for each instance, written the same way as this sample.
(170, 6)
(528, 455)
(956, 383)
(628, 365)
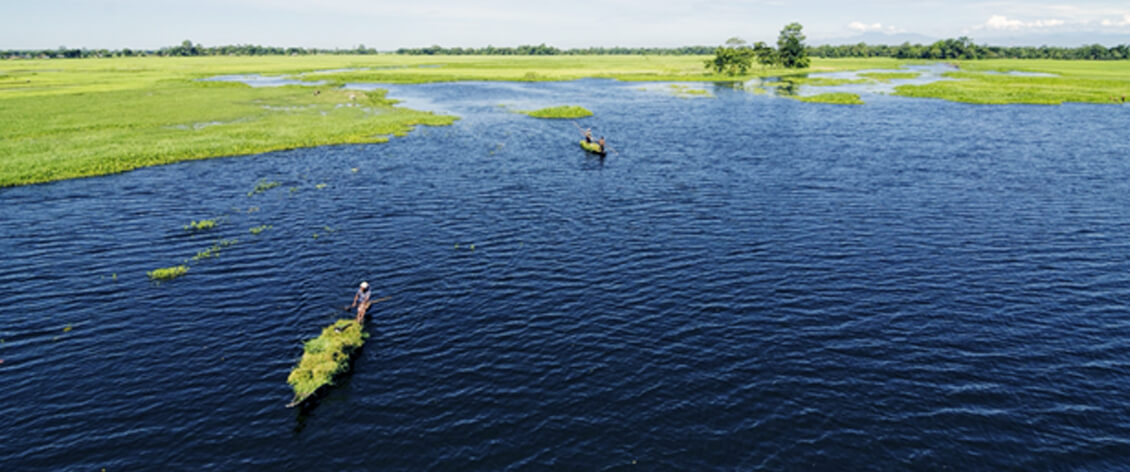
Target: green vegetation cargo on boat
(592, 147)
(324, 357)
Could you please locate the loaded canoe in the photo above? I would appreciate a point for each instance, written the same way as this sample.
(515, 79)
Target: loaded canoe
(325, 357)
(592, 147)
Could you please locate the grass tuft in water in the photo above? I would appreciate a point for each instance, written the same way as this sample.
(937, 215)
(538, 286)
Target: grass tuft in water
(685, 91)
(208, 253)
(167, 273)
(561, 112)
(201, 225)
(889, 76)
(833, 98)
(261, 186)
(260, 229)
(324, 357)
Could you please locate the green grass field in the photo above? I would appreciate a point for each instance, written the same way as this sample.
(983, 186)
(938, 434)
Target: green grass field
(1075, 81)
(73, 118)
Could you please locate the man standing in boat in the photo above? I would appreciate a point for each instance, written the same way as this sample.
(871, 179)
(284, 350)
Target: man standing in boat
(361, 301)
(601, 143)
(588, 135)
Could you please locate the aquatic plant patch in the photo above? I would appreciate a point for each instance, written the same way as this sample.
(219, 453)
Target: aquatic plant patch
(560, 112)
(839, 98)
(889, 76)
(261, 186)
(167, 273)
(200, 225)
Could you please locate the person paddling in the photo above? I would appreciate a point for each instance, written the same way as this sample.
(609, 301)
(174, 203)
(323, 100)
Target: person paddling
(601, 143)
(588, 135)
(361, 301)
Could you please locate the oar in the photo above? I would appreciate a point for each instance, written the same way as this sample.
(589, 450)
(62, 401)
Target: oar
(371, 302)
(579, 128)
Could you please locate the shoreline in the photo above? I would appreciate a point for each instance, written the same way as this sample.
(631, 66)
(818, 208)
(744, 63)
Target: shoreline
(75, 118)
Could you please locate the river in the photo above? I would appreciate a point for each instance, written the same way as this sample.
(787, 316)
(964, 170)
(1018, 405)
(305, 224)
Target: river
(750, 282)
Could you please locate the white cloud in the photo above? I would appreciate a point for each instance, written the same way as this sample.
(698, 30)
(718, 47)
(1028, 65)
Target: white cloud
(1003, 23)
(1124, 21)
(862, 27)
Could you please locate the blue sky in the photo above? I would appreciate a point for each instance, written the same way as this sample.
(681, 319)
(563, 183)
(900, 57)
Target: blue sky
(388, 25)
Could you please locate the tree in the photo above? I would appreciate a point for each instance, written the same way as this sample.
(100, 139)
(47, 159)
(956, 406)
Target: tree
(791, 51)
(731, 60)
(766, 55)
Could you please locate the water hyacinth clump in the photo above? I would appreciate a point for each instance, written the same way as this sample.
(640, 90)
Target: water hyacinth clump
(567, 111)
(167, 273)
(200, 225)
(324, 357)
(260, 229)
(261, 186)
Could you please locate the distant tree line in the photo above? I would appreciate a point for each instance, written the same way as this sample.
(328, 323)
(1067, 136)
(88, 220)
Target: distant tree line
(959, 48)
(964, 48)
(543, 50)
(185, 49)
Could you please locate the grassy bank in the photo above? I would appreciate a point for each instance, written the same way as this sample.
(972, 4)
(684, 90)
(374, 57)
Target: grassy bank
(75, 118)
(988, 82)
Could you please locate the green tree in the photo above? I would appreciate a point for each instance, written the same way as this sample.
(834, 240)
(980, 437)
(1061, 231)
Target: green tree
(791, 51)
(731, 60)
(766, 55)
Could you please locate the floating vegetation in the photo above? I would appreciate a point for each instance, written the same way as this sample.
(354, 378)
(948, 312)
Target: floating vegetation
(354, 170)
(207, 253)
(67, 328)
(324, 357)
(167, 273)
(832, 98)
(320, 186)
(293, 189)
(561, 112)
(253, 209)
(685, 91)
(201, 225)
(214, 250)
(821, 81)
(260, 229)
(889, 76)
(261, 186)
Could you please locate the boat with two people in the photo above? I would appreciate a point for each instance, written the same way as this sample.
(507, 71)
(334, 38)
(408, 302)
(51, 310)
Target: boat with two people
(595, 146)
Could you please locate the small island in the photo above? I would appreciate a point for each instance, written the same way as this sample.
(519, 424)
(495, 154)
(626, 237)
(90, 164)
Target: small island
(561, 112)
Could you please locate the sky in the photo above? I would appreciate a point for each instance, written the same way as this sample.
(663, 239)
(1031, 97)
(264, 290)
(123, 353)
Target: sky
(387, 25)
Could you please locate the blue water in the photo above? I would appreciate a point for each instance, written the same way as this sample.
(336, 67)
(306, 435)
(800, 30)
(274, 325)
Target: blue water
(750, 283)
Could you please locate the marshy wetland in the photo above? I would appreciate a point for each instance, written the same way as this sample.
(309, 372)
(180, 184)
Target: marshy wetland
(751, 282)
